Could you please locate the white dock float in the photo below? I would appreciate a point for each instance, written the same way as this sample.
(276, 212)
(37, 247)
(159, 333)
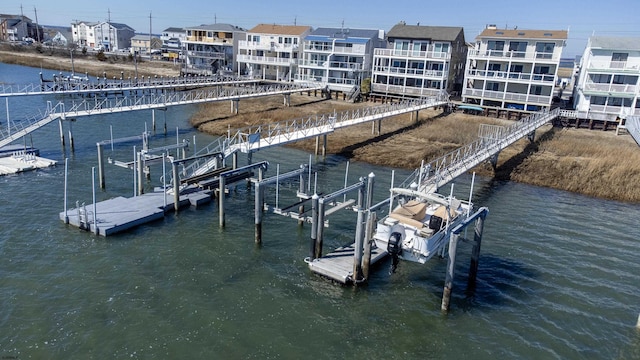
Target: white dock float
(21, 161)
(338, 264)
(119, 214)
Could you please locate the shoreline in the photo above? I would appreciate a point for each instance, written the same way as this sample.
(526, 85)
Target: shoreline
(589, 162)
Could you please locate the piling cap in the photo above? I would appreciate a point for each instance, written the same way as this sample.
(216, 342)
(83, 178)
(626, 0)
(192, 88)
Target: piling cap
(315, 197)
(372, 175)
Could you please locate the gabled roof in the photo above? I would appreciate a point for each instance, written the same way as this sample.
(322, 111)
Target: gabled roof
(10, 16)
(523, 34)
(443, 33)
(88, 23)
(216, 27)
(280, 29)
(173, 29)
(143, 37)
(121, 26)
(336, 33)
(615, 43)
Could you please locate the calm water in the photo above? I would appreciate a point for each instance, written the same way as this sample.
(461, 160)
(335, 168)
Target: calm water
(558, 277)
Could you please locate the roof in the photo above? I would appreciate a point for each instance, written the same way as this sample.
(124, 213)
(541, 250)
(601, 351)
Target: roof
(444, 33)
(216, 27)
(120, 26)
(335, 33)
(173, 29)
(523, 34)
(143, 37)
(280, 29)
(615, 43)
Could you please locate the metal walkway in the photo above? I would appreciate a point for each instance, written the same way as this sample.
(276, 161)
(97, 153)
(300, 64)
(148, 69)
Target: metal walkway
(632, 124)
(259, 137)
(77, 85)
(441, 171)
(109, 105)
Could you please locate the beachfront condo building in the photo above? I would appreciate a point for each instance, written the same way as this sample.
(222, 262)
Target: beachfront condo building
(339, 57)
(107, 36)
(513, 68)
(211, 49)
(271, 52)
(607, 85)
(420, 61)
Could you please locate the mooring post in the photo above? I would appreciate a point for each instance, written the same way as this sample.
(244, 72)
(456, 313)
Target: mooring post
(531, 136)
(357, 254)
(366, 257)
(258, 213)
(320, 225)
(176, 186)
(100, 166)
(61, 131)
(324, 145)
(66, 178)
(370, 181)
(234, 160)
(287, 100)
(475, 252)
(235, 105)
(301, 207)
(153, 120)
(221, 201)
(71, 135)
(140, 173)
(451, 265)
(95, 206)
(317, 145)
(314, 225)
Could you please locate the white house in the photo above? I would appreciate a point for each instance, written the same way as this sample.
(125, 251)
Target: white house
(83, 33)
(104, 35)
(339, 57)
(419, 61)
(513, 68)
(607, 84)
(173, 37)
(271, 51)
(210, 49)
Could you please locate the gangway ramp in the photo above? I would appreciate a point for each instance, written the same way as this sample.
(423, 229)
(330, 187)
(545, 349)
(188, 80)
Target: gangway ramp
(443, 170)
(150, 101)
(632, 124)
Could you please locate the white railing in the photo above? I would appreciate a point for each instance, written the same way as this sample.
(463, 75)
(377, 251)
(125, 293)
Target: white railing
(499, 95)
(269, 60)
(632, 123)
(515, 55)
(207, 54)
(404, 90)
(413, 54)
(409, 71)
(272, 46)
(444, 169)
(505, 75)
(604, 65)
(618, 88)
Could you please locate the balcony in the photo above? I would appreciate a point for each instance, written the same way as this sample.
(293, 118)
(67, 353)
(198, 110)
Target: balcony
(273, 46)
(412, 54)
(506, 55)
(607, 66)
(404, 90)
(331, 65)
(507, 96)
(266, 60)
(511, 76)
(207, 54)
(337, 49)
(610, 89)
(421, 73)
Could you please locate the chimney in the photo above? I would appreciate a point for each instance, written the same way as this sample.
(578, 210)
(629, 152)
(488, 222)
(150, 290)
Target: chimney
(492, 27)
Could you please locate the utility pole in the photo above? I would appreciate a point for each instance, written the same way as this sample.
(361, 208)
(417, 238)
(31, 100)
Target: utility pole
(37, 30)
(149, 35)
(109, 28)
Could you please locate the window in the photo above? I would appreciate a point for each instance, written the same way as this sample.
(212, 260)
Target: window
(619, 60)
(518, 48)
(280, 40)
(401, 45)
(492, 86)
(615, 101)
(536, 90)
(600, 78)
(543, 70)
(625, 79)
(440, 47)
(495, 45)
(544, 50)
(516, 68)
(598, 100)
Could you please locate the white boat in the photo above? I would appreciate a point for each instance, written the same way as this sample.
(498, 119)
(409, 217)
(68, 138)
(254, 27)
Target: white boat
(418, 227)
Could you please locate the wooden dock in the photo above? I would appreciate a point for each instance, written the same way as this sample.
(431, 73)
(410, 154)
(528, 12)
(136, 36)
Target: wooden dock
(119, 214)
(338, 264)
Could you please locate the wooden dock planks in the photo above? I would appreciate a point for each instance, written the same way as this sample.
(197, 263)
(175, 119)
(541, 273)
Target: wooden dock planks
(338, 264)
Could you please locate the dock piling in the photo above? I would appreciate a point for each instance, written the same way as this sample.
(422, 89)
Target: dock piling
(475, 252)
(314, 225)
(451, 265)
(176, 185)
(259, 201)
(366, 256)
(100, 166)
(221, 200)
(358, 249)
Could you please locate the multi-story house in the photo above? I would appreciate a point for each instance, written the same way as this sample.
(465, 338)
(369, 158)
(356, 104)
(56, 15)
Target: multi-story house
(271, 51)
(607, 84)
(172, 42)
(339, 57)
(145, 44)
(113, 36)
(19, 27)
(420, 61)
(83, 33)
(513, 68)
(210, 49)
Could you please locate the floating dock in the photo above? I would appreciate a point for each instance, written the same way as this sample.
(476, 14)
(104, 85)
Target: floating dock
(15, 159)
(120, 214)
(338, 264)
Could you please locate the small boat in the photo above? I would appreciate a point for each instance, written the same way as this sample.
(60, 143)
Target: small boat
(418, 227)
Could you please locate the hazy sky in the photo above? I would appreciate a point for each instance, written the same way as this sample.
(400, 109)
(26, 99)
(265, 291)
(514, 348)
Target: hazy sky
(581, 17)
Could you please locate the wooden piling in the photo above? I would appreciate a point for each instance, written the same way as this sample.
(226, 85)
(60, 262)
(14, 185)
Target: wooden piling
(100, 166)
(358, 249)
(221, 201)
(314, 226)
(259, 200)
(61, 131)
(451, 265)
(366, 256)
(140, 173)
(301, 207)
(176, 186)
(475, 252)
(320, 229)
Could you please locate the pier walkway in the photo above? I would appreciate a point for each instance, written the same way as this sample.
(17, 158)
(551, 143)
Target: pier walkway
(632, 124)
(259, 137)
(109, 105)
(83, 85)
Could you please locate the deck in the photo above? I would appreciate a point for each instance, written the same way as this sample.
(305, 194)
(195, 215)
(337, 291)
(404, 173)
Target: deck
(338, 264)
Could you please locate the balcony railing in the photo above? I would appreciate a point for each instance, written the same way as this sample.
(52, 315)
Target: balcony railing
(206, 54)
(614, 66)
(507, 96)
(414, 54)
(391, 70)
(328, 49)
(404, 90)
(610, 88)
(273, 46)
(333, 65)
(268, 60)
(516, 55)
(491, 74)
